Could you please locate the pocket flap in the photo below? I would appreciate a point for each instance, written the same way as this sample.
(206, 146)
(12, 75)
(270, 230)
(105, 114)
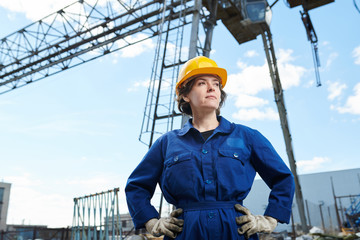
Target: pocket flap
(177, 158)
(234, 154)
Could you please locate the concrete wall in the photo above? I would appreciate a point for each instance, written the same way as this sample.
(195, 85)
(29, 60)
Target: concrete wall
(4, 204)
(317, 190)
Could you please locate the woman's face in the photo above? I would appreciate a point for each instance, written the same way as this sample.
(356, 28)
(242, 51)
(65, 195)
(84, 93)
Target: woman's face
(205, 94)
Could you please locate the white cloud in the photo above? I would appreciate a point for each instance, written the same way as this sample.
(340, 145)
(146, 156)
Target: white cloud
(256, 114)
(285, 56)
(172, 50)
(251, 80)
(165, 85)
(325, 43)
(335, 90)
(352, 104)
(241, 64)
(247, 101)
(290, 74)
(330, 59)
(26, 180)
(309, 83)
(34, 206)
(251, 53)
(136, 49)
(38, 9)
(356, 55)
(311, 165)
(35, 9)
(139, 84)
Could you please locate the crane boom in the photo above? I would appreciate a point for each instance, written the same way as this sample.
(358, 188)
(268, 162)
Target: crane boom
(74, 35)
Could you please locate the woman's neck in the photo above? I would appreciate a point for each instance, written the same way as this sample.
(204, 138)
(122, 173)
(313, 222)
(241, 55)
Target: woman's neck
(205, 122)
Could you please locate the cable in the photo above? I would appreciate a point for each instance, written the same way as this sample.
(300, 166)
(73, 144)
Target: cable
(311, 35)
(356, 6)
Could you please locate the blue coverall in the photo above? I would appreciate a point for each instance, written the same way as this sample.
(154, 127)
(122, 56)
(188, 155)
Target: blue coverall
(207, 178)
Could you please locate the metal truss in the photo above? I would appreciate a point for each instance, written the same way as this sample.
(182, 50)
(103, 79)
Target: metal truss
(97, 216)
(76, 34)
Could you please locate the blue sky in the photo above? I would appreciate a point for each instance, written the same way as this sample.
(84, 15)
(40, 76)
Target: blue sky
(76, 133)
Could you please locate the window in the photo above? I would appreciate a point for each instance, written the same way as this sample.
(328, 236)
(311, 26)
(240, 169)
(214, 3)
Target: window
(2, 190)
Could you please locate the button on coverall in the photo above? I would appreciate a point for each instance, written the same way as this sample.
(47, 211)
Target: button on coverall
(207, 178)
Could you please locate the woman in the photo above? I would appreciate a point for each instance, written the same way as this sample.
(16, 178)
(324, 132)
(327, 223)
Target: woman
(206, 169)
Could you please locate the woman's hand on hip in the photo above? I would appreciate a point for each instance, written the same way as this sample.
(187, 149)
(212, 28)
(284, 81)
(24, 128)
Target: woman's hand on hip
(251, 224)
(169, 226)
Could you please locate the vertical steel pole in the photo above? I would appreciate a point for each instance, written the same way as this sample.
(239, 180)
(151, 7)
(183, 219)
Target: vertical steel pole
(209, 26)
(293, 235)
(194, 29)
(193, 42)
(280, 103)
(330, 220)
(322, 217)
(308, 213)
(336, 206)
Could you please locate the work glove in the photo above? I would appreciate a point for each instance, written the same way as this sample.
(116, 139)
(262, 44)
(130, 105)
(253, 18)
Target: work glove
(169, 226)
(254, 223)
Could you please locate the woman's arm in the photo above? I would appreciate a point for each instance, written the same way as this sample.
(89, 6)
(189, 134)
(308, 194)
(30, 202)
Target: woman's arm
(141, 185)
(276, 175)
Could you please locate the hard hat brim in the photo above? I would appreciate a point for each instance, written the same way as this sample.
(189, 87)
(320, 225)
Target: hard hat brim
(221, 72)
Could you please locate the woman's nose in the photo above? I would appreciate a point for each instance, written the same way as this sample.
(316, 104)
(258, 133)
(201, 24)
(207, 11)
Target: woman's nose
(210, 88)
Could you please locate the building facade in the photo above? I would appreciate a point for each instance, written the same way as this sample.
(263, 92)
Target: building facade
(319, 193)
(4, 203)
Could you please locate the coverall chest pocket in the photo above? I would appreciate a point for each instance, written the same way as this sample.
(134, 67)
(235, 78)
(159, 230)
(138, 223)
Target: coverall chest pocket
(179, 174)
(231, 165)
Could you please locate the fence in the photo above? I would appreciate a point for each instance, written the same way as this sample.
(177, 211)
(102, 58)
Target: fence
(32, 233)
(319, 215)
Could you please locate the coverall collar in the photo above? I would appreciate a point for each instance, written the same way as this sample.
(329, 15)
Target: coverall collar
(224, 127)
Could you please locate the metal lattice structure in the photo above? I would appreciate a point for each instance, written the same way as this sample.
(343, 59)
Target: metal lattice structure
(76, 34)
(97, 216)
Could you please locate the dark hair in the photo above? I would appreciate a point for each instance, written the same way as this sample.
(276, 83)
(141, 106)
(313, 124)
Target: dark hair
(185, 89)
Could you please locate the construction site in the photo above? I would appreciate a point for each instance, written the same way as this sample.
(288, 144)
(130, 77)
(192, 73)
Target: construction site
(326, 203)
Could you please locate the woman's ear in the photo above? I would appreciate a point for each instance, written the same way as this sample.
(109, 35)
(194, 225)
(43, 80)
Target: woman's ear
(186, 99)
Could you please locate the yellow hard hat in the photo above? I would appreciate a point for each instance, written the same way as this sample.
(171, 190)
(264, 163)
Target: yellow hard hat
(200, 65)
